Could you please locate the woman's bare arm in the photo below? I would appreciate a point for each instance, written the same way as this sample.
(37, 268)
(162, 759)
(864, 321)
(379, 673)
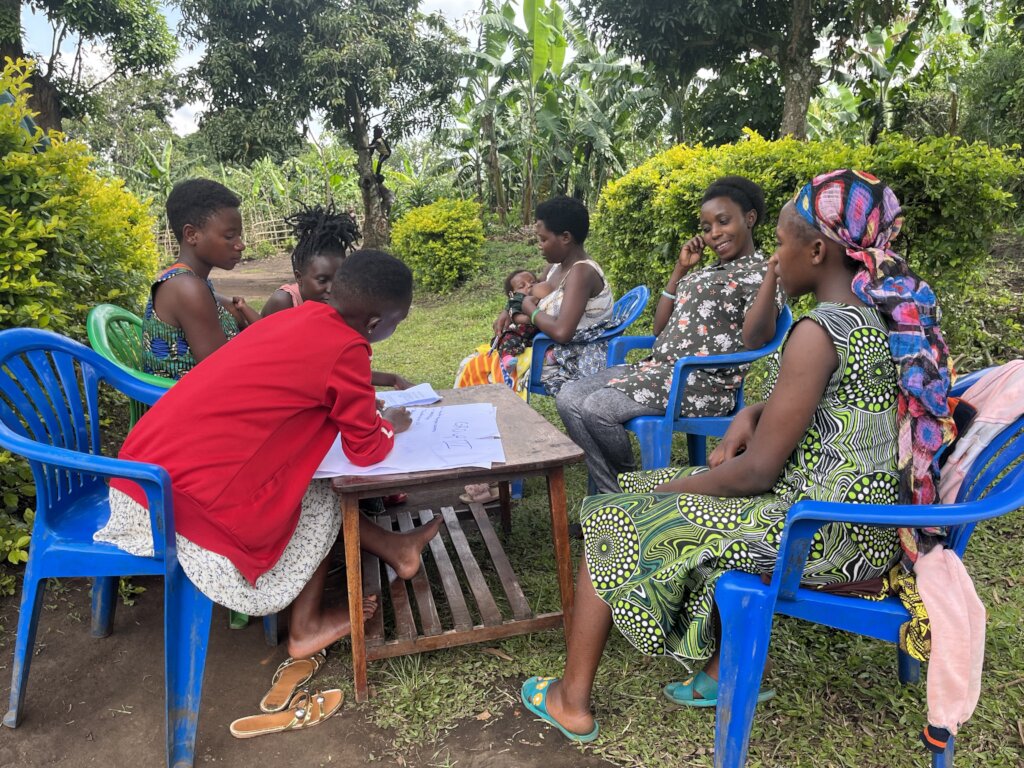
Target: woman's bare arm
(808, 362)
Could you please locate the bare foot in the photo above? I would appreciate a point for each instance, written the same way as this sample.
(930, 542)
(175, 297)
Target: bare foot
(577, 722)
(405, 548)
(331, 625)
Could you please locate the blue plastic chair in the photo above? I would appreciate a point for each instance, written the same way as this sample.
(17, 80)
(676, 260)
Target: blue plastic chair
(654, 433)
(116, 334)
(49, 413)
(625, 312)
(993, 487)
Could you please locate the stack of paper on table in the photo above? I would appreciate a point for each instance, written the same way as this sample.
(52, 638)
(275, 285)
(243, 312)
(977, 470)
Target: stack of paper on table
(440, 438)
(421, 394)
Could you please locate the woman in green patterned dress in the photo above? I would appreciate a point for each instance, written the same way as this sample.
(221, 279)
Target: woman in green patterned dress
(828, 431)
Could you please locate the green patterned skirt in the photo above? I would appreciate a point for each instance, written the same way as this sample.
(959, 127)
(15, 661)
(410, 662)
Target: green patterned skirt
(654, 558)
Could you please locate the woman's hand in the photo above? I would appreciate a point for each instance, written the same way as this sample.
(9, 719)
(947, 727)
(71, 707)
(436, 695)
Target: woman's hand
(737, 436)
(690, 254)
(400, 382)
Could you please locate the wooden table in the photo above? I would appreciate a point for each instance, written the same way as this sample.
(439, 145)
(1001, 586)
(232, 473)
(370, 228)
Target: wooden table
(532, 447)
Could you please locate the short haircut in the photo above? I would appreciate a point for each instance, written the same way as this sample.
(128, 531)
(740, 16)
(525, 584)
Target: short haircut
(321, 231)
(194, 201)
(565, 214)
(747, 194)
(373, 277)
(513, 273)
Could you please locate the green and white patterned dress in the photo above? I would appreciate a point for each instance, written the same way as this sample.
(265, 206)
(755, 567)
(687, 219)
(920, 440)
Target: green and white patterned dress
(655, 557)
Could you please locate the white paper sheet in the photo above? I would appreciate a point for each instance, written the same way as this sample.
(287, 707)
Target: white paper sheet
(440, 438)
(421, 394)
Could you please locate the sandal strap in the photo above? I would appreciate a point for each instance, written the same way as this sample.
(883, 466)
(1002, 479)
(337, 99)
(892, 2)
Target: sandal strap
(705, 685)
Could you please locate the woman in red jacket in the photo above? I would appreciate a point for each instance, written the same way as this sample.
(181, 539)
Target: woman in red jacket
(241, 437)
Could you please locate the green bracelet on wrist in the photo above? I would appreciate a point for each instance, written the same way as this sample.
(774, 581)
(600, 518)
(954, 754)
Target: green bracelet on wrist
(533, 315)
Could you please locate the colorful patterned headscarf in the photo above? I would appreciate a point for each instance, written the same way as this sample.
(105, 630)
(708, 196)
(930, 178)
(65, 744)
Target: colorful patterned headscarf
(862, 214)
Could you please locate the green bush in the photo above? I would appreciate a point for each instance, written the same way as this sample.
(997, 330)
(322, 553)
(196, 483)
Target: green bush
(955, 198)
(440, 242)
(69, 239)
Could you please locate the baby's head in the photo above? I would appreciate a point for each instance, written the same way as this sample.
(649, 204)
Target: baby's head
(520, 281)
(324, 237)
(204, 216)
(372, 291)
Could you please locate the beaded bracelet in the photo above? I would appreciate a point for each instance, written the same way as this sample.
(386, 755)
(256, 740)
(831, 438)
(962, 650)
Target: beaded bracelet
(669, 296)
(533, 315)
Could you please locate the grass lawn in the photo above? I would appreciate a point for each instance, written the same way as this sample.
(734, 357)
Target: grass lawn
(838, 702)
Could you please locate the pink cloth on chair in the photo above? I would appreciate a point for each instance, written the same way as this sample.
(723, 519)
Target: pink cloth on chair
(957, 619)
(999, 399)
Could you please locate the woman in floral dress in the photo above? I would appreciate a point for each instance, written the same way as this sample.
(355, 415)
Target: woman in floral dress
(700, 312)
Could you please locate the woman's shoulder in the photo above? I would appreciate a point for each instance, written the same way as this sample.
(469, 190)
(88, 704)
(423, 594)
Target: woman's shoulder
(842, 320)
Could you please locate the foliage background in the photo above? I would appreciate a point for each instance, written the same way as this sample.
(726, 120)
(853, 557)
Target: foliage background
(955, 196)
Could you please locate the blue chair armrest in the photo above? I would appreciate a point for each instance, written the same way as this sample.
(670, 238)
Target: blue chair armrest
(153, 478)
(684, 365)
(541, 343)
(806, 517)
(619, 347)
(135, 388)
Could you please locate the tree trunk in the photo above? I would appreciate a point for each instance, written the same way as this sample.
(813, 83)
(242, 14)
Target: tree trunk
(494, 168)
(376, 228)
(800, 75)
(44, 98)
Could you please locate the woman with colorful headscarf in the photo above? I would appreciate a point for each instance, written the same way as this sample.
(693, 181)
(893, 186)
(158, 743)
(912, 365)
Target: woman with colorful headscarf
(856, 414)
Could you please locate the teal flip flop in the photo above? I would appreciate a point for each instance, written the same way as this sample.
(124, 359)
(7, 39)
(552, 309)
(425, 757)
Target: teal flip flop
(535, 698)
(702, 683)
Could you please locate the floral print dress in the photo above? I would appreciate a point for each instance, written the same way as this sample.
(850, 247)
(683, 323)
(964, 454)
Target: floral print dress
(707, 320)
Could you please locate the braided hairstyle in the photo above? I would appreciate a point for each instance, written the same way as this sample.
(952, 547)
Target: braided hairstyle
(321, 231)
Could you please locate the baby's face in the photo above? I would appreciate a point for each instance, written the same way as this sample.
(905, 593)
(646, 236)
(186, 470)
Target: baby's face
(522, 282)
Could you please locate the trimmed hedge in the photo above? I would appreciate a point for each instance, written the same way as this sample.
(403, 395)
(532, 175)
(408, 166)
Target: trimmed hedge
(955, 196)
(69, 238)
(441, 242)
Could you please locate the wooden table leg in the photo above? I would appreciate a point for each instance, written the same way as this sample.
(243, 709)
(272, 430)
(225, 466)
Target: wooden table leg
(505, 494)
(353, 565)
(560, 533)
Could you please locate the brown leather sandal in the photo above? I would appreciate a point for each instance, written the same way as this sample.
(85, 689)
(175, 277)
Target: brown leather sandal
(305, 710)
(291, 675)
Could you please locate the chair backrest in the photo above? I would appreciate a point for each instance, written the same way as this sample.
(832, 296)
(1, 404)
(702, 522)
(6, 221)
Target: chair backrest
(49, 394)
(999, 467)
(116, 334)
(627, 309)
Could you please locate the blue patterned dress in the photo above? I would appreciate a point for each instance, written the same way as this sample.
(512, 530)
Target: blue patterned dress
(655, 557)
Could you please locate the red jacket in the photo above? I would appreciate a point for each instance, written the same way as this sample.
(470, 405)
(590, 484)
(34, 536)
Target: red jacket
(242, 433)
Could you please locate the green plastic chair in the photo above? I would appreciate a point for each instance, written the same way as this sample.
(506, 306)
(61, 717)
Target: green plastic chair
(116, 334)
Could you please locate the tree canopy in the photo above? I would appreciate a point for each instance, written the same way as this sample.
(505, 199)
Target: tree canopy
(271, 65)
(678, 39)
(134, 33)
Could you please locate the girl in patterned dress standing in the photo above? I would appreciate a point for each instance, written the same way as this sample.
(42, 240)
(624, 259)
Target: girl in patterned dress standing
(864, 372)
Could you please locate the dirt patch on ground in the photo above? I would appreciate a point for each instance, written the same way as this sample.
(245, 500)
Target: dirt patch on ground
(100, 702)
(254, 280)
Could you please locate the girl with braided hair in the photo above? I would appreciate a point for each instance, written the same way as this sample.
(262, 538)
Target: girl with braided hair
(857, 414)
(324, 238)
